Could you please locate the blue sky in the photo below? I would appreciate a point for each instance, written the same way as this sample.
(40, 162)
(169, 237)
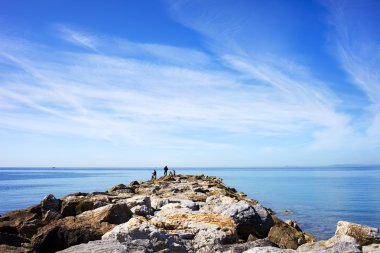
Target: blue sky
(189, 83)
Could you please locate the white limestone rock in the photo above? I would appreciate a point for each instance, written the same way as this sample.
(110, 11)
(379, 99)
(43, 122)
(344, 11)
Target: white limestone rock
(365, 235)
(336, 244)
(218, 203)
(372, 248)
(269, 250)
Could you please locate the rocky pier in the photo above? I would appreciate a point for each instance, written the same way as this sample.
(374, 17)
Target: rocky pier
(183, 213)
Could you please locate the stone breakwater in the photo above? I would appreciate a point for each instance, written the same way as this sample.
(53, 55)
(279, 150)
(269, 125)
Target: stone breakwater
(184, 213)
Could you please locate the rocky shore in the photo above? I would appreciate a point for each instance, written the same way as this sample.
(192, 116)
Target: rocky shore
(184, 213)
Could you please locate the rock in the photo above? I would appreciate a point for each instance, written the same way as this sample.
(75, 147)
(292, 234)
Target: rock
(269, 250)
(11, 239)
(365, 235)
(138, 201)
(51, 216)
(207, 231)
(288, 237)
(251, 238)
(134, 184)
(67, 232)
(372, 248)
(121, 188)
(83, 206)
(22, 223)
(157, 203)
(113, 214)
(12, 249)
(201, 190)
(287, 212)
(185, 203)
(142, 210)
(336, 244)
(241, 247)
(293, 224)
(139, 234)
(16, 218)
(218, 203)
(29, 228)
(50, 203)
(209, 237)
(117, 187)
(100, 246)
(74, 205)
(169, 210)
(69, 205)
(250, 219)
(87, 226)
(99, 203)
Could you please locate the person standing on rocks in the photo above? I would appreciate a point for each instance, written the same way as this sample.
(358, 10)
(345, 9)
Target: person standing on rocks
(154, 174)
(173, 172)
(166, 170)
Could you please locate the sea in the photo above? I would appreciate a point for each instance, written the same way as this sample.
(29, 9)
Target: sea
(318, 197)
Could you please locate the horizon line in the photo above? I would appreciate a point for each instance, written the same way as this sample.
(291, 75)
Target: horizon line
(190, 167)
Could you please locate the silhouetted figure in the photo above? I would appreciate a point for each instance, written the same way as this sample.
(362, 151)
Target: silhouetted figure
(173, 172)
(154, 174)
(170, 174)
(166, 170)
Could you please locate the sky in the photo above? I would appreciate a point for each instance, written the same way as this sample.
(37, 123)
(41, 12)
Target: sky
(189, 83)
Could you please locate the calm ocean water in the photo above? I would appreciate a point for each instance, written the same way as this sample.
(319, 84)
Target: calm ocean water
(319, 197)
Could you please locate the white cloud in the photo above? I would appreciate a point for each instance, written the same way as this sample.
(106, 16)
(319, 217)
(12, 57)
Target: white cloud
(169, 96)
(79, 38)
(101, 95)
(359, 54)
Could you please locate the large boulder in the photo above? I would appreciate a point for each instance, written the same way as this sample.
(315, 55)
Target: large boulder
(19, 226)
(140, 235)
(158, 203)
(142, 210)
(365, 235)
(250, 219)
(113, 214)
(69, 204)
(138, 201)
(13, 220)
(204, 232)
(287, 236)
(99, 246)
(73, 205)
(50, 203)
(88, 226)
(336, 244)
(218, 203)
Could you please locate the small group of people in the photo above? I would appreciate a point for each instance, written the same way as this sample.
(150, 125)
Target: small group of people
(171, 173)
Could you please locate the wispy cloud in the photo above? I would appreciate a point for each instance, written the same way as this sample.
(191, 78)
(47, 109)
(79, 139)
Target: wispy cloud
(359, 53)
(302, 102)
(86, 40)
(164, 101)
